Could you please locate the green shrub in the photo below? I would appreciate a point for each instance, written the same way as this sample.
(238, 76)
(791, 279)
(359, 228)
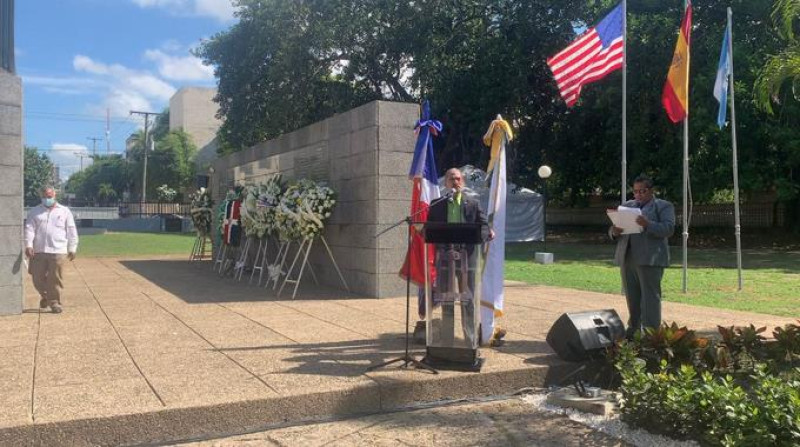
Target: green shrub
(741, 390)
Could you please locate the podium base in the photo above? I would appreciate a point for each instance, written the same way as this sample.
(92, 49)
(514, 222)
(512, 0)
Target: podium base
(453, 359)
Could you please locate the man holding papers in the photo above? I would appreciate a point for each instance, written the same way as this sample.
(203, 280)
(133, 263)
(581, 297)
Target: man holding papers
(643, 252)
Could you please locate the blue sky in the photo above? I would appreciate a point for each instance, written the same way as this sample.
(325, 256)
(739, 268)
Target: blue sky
(79, 58)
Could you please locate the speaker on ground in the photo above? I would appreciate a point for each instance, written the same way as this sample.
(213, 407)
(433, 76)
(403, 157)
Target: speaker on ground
(580, 336)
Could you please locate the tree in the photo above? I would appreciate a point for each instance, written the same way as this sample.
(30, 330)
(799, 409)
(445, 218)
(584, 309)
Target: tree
(107, 173)
(287, 64)
(782, 68)
(106, 193)
(39, 172)
(171, 163)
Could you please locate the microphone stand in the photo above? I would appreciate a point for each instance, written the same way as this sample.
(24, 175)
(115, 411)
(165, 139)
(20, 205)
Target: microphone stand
(407, 359)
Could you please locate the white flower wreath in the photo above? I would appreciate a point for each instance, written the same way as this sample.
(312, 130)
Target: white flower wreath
(303, 208)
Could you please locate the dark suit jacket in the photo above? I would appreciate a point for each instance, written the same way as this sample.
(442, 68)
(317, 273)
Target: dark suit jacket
(471, 212)
(650, 246)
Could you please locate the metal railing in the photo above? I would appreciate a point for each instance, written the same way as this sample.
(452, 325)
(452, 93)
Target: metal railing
(116, 210)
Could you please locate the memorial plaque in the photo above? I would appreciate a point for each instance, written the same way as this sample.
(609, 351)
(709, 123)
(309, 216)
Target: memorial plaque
(312, 164)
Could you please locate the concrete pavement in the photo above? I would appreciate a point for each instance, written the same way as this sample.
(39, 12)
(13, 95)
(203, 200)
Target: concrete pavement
(507, 423)
(162, 350)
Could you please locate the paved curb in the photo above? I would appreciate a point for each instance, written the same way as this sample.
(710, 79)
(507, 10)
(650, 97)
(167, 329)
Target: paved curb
(203, 422)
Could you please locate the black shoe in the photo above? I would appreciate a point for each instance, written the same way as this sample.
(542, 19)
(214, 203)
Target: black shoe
(43, 304)
(419, 333)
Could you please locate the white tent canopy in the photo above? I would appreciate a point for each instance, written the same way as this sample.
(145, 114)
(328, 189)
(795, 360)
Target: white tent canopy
(524, 212)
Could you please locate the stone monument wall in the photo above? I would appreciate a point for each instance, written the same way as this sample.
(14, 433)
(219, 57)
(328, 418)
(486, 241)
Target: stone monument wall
(11, 161)
(364, 155)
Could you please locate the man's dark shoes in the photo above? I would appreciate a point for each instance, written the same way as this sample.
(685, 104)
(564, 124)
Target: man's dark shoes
(498, 338)
(43, 304)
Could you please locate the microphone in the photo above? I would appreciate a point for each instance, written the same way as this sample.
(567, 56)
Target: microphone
(450, 194)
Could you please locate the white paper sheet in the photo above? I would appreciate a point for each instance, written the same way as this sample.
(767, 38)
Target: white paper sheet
(625, 218)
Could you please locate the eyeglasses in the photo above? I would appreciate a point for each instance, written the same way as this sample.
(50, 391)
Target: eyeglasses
(641, 191)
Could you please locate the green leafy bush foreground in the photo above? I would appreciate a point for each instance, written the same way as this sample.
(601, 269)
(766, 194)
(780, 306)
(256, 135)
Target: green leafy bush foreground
(738, 390)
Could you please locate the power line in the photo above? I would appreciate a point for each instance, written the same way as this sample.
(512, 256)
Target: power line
(79, 115)
(94, 144)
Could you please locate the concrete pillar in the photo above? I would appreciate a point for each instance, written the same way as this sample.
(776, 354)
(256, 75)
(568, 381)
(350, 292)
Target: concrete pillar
(11, 168)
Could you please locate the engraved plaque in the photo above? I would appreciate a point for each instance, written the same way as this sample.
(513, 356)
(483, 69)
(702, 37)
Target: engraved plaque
(312, 164)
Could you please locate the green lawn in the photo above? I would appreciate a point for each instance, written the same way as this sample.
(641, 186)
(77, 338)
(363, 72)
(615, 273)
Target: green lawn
(771, 278)
(135, 244)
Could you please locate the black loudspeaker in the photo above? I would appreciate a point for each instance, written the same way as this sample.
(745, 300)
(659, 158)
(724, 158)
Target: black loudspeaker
(579, 336)
(202, 181)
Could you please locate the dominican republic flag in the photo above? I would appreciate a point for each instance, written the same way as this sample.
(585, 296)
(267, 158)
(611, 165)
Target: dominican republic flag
(425, 190)
(593, 55)
(231, 226)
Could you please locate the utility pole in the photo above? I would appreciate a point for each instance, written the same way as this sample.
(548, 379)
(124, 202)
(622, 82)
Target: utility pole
(82, 155)
(144, 145)
(94, 144)
(108, 131)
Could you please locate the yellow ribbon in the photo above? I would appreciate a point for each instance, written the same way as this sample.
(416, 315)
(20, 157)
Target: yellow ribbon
(494, 138)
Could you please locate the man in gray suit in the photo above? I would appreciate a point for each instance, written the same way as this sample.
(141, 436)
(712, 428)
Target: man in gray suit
(643, 256)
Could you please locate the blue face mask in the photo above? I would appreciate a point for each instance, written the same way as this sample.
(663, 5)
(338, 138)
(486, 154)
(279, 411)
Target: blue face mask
(48, 201)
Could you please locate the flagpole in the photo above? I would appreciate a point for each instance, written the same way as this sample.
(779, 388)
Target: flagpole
(624, 187)
(737, 223)
(685, 233)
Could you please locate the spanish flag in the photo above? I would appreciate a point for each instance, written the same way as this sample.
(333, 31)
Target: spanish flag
(675, 96)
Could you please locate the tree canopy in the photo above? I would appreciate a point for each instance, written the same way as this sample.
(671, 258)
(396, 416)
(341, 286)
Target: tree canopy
(287, 64)
(37, 174)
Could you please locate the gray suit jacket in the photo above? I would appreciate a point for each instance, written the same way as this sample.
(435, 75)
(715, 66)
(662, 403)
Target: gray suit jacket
(649, 247)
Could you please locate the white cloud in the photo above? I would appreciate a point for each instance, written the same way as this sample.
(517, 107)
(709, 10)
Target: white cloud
(221, 10)
(180, 68)
(64, 91)
(129, 89)
(84, 63)
(66, 85)
(65, 156)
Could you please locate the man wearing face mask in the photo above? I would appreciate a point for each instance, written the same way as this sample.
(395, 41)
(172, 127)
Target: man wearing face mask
(643, 256)
(50, 239)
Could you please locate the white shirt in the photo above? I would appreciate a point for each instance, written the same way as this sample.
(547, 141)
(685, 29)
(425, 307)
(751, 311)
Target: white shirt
(51, 230)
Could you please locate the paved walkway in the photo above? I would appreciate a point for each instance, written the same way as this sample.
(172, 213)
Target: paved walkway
(506, 423)
(164, 350)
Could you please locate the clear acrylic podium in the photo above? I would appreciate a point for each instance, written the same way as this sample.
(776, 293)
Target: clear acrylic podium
(452, 295)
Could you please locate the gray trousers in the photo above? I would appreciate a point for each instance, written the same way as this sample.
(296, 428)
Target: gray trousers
(642, 286)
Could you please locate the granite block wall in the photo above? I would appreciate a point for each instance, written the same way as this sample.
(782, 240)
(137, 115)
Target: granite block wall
(364, 155)
(11, 168)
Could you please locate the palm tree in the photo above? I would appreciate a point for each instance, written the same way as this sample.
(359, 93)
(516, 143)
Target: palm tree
(106, 192)
(784, 66)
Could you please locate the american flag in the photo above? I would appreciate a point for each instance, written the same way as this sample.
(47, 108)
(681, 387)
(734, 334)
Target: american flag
(596, 53)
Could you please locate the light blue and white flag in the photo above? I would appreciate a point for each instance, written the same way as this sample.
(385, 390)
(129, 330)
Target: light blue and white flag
(723, 77)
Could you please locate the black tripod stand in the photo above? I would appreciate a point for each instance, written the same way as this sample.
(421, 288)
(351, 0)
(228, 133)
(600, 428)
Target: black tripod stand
(407, 359)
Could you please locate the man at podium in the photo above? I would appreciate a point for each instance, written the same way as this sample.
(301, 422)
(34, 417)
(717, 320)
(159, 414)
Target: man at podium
(457, 208)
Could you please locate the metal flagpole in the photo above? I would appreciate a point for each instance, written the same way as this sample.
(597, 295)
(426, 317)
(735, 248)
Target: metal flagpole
(624, 186)
(685, 233)
(738, 228)
(685, 202)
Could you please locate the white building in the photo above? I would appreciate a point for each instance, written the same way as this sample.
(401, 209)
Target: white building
(193, 110)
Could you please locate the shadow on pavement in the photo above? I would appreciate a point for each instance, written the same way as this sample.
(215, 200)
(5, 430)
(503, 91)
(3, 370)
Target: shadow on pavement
(196, 283)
